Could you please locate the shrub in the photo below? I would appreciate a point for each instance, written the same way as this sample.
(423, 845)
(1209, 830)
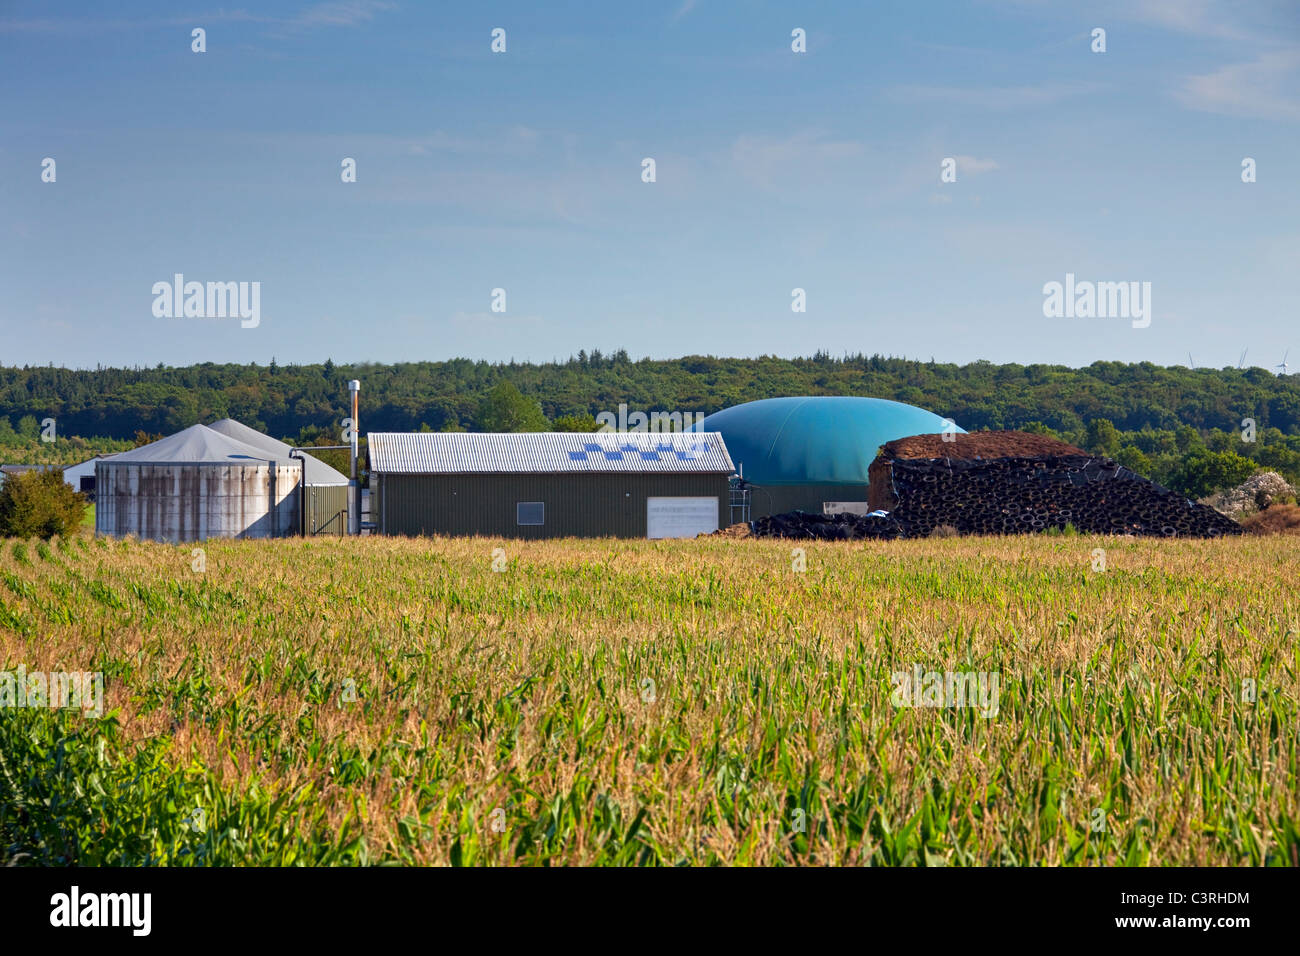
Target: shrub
(1202, 473)
(1275, 519)
(39, 504)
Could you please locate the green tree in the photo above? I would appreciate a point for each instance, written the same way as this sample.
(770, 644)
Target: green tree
(585, 422)
(1206, 472)
(1131, 457)
(506, 409)
(1219, 440)
(1103, 437)
(1038, 428)
(1188, 439)
(41, 504)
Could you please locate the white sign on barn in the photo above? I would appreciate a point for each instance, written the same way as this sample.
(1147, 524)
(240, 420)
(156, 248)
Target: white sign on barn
(845, 507)
(680, 517)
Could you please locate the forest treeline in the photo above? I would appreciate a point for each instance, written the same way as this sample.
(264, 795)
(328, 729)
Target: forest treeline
(1152, 417)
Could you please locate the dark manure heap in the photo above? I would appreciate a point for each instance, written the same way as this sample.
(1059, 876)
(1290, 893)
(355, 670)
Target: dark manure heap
(1004, 483)
(841, 527)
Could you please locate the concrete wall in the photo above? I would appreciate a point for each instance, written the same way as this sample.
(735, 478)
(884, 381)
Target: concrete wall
(191, 502)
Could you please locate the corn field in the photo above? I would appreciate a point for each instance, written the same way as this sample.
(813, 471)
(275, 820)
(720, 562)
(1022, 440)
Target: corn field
(483, 702)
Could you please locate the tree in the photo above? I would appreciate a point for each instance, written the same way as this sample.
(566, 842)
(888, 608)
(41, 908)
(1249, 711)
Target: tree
(1103, 437)
(41, 504)
(1038, 428)
(1205, 472)
(506, 409)
(1169, 414)
(1131, 457)
(585, 422)
(1188, 439)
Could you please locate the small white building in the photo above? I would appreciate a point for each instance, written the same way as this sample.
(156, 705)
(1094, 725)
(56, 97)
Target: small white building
(82, 477)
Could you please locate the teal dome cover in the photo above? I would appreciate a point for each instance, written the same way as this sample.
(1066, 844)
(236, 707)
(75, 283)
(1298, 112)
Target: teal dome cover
(824, 440)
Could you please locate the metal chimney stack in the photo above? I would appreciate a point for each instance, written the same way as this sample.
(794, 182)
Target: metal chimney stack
(354, 486)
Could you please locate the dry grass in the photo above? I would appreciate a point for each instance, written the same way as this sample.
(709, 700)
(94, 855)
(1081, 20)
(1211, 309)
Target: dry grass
(612, 702)
(1275, 519)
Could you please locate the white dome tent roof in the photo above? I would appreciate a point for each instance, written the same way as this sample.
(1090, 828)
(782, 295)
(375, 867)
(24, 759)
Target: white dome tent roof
(197, 444)
(315, 471)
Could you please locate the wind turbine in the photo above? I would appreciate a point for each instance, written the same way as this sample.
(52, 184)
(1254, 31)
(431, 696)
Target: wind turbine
(1282, 364)
(1241, 361)
(1190, 363)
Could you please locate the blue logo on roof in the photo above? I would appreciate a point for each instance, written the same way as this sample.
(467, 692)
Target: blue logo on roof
(591, 449)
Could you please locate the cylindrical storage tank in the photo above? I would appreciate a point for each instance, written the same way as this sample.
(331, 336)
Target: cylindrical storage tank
(325, 491)
(194, 486)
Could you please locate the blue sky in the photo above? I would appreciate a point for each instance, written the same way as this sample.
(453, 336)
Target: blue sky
(775, 170)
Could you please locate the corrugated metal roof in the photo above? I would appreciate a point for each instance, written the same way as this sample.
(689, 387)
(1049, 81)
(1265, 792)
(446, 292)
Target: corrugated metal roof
(436, 453)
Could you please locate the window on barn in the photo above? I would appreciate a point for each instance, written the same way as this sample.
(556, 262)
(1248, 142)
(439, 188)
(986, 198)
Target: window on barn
(530, 512)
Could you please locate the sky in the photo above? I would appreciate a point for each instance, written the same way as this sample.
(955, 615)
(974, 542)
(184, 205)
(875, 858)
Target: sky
(774, 170)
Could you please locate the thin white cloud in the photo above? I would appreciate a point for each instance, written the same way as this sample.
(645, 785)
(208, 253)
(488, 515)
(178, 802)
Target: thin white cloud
(83, 24)
(492, 321)
(336, 13)
(770, 162)
(998, 98)
(513, 142)
(973, 166)
(1206, 18)
(342, 13)
(686, 7)
(1264, 88)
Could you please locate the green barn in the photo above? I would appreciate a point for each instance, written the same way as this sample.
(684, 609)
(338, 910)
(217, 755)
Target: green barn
(549, 484)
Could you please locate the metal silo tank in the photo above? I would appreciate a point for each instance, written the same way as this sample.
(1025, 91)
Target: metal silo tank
(197, 484)
(191, 501)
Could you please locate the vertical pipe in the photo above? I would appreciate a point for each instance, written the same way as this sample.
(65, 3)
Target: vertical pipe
(354, 486)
